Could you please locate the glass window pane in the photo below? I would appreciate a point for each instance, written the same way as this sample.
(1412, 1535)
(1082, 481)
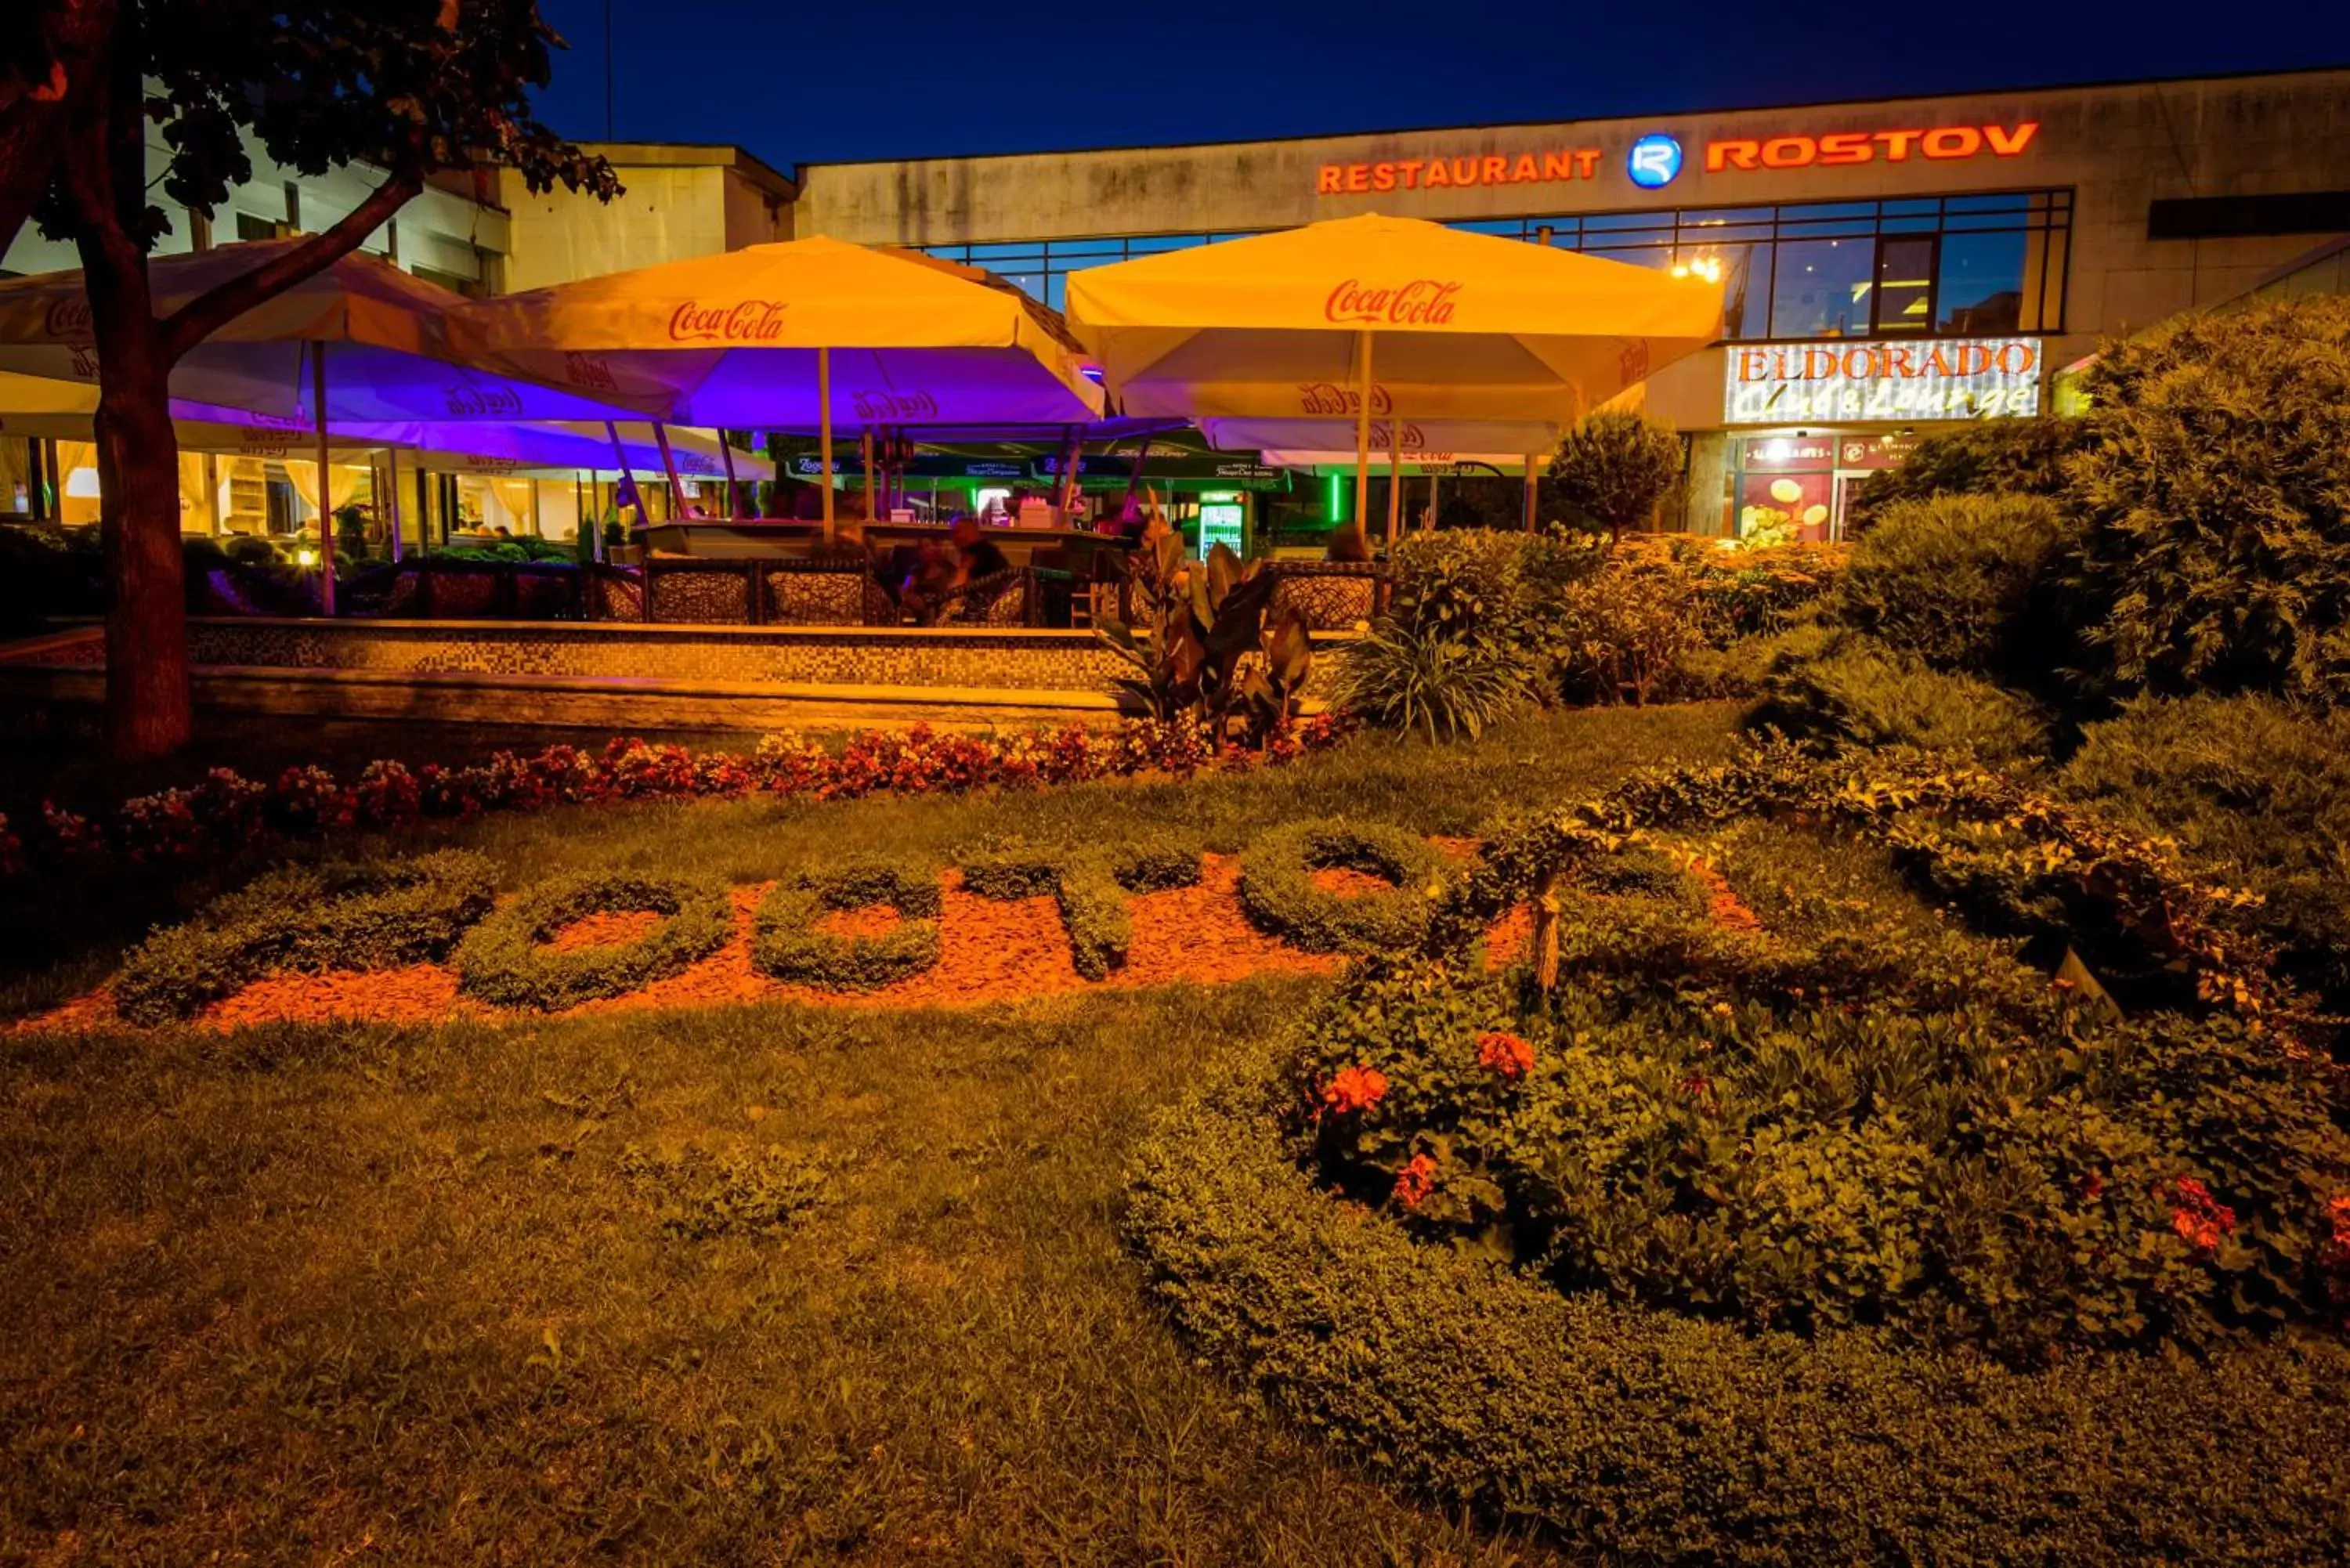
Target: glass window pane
(1086, 248)
(1508, 227)
(1996, 202)
(1149, 244)
(1821, 288)
(1983, 284)
(1744, 272)
(1905, 285)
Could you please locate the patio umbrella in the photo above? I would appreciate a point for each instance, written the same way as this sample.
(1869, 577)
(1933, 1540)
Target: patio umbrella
(803, 334)
(1462, 327)
(381, 328)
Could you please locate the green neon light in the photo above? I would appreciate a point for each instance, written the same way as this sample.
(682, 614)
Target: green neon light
(1331, 495)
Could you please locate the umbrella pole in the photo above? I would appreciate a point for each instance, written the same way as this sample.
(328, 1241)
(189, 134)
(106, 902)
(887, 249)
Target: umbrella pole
(669, 466)
(391, 507)
(823, 431)
(1429, 520)
(866, 456)
(1363, 435)
(1531, 459)
(726, 456)
(326, 499)
(1395, 483)
(625, 493)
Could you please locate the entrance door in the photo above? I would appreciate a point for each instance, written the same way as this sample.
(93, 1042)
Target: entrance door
(1847, 482)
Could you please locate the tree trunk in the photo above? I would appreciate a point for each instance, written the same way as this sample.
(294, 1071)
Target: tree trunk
(146, 694)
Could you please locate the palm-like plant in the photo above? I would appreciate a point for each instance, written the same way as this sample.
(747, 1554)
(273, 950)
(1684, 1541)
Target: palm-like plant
(1200, 645)
(1411, 677)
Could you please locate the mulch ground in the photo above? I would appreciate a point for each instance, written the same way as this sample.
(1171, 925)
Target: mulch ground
(991, 951)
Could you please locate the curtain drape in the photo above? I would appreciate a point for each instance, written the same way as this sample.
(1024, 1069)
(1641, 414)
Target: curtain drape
(342, 483)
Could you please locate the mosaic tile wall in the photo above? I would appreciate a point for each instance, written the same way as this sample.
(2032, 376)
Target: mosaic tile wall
(1041, 660)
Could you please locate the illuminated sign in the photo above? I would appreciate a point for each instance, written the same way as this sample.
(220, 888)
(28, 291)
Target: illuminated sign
(1653, 161)
(1547, 167)
(1848, 147)
(1944, 379)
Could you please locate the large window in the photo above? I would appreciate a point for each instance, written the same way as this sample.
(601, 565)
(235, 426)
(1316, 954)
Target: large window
(1971, 265)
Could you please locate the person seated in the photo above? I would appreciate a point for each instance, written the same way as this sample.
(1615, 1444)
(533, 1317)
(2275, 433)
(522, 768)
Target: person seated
(976, 555)
(1348, 542)
(927, 582)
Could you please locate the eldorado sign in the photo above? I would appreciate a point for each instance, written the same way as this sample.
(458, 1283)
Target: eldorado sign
(1946, 379)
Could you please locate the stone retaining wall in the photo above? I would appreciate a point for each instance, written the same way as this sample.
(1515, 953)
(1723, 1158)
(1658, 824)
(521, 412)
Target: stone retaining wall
(829, 656)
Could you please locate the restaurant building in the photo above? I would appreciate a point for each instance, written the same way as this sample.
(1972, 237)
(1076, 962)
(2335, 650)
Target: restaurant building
(1888, 265)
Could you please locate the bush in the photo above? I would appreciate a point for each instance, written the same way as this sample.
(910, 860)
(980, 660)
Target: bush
(1089, 886)
(1961, 582)
(1992, 457)
(2214, 494)
(376, 915)
(1278, 892)
(1611, 471)
(786, 944)
(1843, 688)
(1621, 633)
(250, 550)
(506, 960)
(1400, 677)
(1643, 1435)
(2256, 790)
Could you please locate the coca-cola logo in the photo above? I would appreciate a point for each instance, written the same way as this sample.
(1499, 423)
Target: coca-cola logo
(468, 401)
(85, 362)
(1410, 436)
(494, 465)
(745, 321)
(1423, 302)
(67, 318)
(1329, 398)
(590, 370)
(882, 407)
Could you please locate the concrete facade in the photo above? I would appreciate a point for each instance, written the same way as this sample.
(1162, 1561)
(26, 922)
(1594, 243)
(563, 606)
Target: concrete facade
(677, 202)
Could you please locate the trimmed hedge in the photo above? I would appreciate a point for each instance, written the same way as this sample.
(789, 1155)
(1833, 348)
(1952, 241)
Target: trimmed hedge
(505, 960)
(1642, 1434)
(1278, 892)
(785, 944)
(338, 914)
(1090, 887)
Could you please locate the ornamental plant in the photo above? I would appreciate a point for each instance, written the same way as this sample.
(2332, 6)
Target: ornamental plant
(511, 958)
(1612, 471)
(1911, 1132)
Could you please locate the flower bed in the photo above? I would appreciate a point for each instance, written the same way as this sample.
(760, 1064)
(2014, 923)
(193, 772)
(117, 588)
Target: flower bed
(228, 814)
(1793, 1246)
(1277, 884)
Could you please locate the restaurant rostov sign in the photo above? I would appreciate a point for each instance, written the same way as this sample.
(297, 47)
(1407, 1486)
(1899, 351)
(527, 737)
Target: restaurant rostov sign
(1944, 379)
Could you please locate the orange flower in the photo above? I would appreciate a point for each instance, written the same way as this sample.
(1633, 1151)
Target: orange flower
(1505, 1054)
(2200, 1219)
(1415, 1182)
(1354, 1089)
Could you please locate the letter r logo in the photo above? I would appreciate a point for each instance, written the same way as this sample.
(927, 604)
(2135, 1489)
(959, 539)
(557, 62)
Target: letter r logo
(1653, 161)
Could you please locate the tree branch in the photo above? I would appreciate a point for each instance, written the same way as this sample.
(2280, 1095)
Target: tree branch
(209, 312)
(34, 116)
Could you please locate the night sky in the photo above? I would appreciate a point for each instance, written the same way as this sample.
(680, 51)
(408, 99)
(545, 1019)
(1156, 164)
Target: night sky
(795, 82)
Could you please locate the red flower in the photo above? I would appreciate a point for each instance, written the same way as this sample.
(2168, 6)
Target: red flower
(1354, 1089)
(1415, 1182)
(2093, 1187)
(2200, 1219)
(2338, 1210)
(1505, 1054)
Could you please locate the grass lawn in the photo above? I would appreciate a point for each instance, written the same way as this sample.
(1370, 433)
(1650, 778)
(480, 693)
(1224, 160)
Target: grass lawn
(757, 1284)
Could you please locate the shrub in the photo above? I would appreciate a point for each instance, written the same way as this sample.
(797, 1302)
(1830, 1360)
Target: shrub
(1852, 690)
(2256, 790)
(506, 958)
(2214, 494)
(787, 943)
(1400, 677)
(1992, 457)
(1278, 892)
(374, 915)
(1090, 887)
(1961, 582)
(1645, 1435)
(1621, 632)
(1612, 469)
